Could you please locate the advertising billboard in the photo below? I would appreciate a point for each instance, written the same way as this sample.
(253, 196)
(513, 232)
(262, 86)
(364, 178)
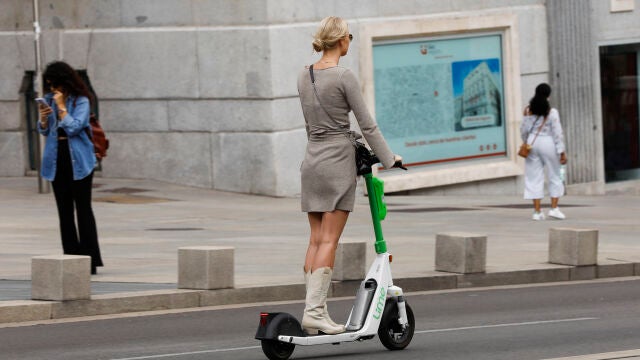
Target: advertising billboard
(441, 100)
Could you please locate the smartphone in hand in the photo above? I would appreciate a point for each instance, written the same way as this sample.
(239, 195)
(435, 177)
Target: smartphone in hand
(42, 101)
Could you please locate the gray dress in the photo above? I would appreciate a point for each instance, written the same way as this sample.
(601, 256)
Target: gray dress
(328, 170)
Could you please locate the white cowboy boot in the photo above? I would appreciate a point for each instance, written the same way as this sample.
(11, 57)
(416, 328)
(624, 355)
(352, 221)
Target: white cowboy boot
(326, 312)
(314, 319)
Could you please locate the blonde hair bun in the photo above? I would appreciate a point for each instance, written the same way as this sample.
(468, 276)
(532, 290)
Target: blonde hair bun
(318, 45)
(330, 31)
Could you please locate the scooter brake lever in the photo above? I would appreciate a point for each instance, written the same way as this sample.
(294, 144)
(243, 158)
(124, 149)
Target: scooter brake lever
(398, 164)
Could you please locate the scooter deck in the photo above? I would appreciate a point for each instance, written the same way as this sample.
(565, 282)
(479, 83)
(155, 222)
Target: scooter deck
(346, 336)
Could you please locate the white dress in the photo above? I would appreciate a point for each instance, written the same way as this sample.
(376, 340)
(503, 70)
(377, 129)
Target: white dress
(545, 153)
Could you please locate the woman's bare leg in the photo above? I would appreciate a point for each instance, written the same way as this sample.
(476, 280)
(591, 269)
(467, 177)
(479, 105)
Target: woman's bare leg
(554, 202)
(536, 204)
(315, 223)
(331, 228)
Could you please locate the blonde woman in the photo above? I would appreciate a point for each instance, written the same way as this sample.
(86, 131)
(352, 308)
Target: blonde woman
(328, 171)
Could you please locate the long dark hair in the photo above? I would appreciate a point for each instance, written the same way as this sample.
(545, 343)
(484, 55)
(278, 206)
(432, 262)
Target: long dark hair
(60, 75)
(539, 103)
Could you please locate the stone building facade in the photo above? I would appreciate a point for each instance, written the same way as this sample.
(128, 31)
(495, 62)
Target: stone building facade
(203, 93)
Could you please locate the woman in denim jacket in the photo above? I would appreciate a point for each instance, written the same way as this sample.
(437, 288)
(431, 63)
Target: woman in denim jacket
(68, 160)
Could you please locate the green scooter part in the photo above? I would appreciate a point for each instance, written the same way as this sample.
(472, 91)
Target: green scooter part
(378, 186)
(375, 189)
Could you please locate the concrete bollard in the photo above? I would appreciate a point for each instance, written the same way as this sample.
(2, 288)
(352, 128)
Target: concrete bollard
(205, 267)
(574, 247)
(61, 277)
(462, 253)
(350, 261)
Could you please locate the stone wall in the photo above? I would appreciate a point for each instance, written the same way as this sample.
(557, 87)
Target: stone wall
(573, 64)
(203, 93)
(577, 30)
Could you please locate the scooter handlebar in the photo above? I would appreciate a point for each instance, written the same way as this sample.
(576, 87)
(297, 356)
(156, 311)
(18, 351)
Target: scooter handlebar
(398, 164)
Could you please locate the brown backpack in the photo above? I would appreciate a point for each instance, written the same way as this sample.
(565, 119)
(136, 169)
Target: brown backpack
(97, 137)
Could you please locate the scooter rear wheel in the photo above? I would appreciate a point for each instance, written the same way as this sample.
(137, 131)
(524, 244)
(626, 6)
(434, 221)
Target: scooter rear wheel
(391, 334)
(277, 350)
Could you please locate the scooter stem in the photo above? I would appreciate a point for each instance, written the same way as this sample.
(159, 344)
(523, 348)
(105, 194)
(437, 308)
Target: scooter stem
(374, 200)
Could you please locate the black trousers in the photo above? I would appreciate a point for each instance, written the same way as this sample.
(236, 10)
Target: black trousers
(75, 195)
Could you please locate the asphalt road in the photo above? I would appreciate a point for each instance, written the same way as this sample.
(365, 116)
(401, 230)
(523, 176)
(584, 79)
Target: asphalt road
(527, 322)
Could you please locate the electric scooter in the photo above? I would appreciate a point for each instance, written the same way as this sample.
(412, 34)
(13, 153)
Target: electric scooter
(379, 308)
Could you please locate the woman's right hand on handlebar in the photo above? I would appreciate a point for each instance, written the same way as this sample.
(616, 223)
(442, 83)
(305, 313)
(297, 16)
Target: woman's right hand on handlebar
(397, 162)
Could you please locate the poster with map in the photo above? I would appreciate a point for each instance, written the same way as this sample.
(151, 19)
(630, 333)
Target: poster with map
(441, 100)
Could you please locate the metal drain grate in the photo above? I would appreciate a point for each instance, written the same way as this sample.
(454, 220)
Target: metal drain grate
(174, 229)
(130, 199)
(527, 206)
(431, 209)
(124, 190)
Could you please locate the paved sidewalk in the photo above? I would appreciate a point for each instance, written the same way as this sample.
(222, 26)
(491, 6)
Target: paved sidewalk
(142, 223)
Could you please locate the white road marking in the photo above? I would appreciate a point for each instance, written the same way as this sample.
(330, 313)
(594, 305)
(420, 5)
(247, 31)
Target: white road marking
(628, 355)
(189, 353)
(504, 325)
(416, 332)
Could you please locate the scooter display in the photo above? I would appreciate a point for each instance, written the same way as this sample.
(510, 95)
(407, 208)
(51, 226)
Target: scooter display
(379, 307)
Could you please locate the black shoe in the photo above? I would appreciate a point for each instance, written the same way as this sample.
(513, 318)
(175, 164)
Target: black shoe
(94, 271)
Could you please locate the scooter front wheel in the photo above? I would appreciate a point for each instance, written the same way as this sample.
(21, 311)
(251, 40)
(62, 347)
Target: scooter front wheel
(277, 350)
(390, 332)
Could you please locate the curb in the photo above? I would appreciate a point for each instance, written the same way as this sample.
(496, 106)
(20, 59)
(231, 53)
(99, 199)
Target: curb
(16, 311)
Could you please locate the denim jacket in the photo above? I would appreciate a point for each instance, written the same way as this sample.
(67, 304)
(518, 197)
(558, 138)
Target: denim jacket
(83, 158)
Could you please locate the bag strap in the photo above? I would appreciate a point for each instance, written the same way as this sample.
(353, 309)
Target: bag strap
(539, 129)
(315, 90)
(532, 126)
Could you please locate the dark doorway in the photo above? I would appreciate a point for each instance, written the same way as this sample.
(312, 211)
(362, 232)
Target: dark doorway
(619, 90)
(30, 112)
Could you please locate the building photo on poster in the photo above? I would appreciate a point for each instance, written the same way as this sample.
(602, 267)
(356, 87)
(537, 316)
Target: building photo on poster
(441, 100)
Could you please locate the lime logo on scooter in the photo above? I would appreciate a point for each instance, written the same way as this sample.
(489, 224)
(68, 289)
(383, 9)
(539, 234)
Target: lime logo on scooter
(380, 305)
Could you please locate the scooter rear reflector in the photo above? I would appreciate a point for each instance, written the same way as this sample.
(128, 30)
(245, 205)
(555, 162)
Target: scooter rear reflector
(263, 319)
